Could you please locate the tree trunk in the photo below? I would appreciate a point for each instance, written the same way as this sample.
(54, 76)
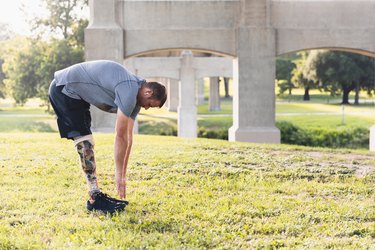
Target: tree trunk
(356, 98)
(345, 93)
(306, 96)
(345, 97)
(226, 87)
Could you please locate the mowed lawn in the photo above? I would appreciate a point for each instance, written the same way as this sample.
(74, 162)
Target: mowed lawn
(187, 194)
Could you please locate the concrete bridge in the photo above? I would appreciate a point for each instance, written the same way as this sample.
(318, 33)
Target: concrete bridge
(251, 32)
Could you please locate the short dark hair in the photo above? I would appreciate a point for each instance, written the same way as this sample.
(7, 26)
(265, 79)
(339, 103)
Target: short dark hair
(159, 91)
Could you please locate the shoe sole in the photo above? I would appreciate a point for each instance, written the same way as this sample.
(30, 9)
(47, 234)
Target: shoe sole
(106, 211)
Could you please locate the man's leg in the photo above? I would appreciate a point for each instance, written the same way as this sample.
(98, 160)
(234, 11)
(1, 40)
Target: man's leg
(85, 149)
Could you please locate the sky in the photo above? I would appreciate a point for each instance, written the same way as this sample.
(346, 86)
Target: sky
(11, 14)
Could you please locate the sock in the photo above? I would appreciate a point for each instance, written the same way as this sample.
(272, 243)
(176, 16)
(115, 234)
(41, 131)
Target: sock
(85, 149)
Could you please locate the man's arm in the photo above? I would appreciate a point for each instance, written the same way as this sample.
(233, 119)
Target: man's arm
(123, 144)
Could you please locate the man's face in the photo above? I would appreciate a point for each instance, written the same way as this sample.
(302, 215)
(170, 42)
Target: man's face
(150, 103)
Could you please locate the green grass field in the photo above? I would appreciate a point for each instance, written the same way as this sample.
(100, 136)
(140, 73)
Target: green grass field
(189, 194)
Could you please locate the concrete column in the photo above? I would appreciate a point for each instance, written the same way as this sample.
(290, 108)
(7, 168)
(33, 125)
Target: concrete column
(254, 94)
(254, 76)
(103, 40)
(200, 91)
(173, 95)
(187, 110)
(214, 98)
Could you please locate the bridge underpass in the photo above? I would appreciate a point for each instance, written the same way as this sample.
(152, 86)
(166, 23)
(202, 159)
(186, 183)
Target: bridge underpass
(253, 32)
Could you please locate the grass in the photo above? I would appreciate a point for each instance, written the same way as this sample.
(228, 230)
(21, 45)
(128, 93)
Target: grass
(29, 118)
(193, 194)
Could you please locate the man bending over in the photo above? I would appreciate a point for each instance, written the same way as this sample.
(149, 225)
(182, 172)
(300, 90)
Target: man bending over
(112, 88)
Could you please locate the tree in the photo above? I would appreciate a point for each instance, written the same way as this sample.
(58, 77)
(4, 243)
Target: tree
(284, 68)
(64, 20)
(298, 77)
(31, 70)
(58, 55)
(226, 87)
(337, 70)
(21, 72)
(5, 32)
(2, 78)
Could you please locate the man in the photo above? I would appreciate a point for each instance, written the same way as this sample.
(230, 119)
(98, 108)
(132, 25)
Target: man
(112, 88)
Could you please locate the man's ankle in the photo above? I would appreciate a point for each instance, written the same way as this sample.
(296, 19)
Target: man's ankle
(92, 195)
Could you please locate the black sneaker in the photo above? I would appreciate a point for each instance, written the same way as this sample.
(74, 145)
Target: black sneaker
(109, 198)
(103, 204)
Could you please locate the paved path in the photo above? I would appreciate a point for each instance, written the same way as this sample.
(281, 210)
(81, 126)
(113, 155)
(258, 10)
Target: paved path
(278, 114)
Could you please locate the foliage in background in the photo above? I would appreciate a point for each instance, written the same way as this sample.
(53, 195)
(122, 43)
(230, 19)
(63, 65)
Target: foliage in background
(22, 78)
(58, 55)
(2, 78)
(340, 70)
(28, 70)
(5, 34)
(64, 20)
(284, 70)
(346, 137)
(352, 137)
(299, 79)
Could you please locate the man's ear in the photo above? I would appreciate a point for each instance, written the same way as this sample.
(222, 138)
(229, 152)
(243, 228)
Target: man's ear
(148, 93)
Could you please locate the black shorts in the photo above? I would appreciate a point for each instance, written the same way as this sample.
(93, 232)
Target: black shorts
(73, 115)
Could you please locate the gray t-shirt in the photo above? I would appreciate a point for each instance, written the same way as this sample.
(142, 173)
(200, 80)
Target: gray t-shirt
(104, 84)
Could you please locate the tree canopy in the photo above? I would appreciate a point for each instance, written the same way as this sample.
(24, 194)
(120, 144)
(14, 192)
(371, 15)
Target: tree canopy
(339, 70)
(27, 70)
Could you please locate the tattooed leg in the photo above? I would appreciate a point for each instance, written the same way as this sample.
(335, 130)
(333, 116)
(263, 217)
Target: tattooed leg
(85, 149)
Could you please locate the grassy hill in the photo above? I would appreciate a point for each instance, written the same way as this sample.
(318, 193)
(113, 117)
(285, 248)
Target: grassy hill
(193, 194)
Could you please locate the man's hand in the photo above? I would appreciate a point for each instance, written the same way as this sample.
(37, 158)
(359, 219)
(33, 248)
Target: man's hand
(121, 187)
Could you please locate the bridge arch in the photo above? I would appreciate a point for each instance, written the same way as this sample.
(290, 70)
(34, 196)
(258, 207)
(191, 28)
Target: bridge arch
(351, 50)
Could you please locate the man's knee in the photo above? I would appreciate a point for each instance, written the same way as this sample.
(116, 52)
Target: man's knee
(88, 138)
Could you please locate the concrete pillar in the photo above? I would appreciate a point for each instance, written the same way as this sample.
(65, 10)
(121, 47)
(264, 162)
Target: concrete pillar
(214, 98)
(254, 75)
(173, 95)
(103, 40)
(200, 91)
(187, 110)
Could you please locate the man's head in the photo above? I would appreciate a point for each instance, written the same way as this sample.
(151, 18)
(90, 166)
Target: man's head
(151, 95)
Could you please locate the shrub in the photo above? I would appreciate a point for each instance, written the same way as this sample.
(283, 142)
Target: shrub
(345, 137)
(213, 134)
